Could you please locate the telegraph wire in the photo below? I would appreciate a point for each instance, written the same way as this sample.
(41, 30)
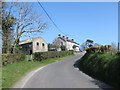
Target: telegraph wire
(49, 17)
(52, 20)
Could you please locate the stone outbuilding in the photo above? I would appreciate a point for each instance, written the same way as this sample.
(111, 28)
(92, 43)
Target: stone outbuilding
(33, 45)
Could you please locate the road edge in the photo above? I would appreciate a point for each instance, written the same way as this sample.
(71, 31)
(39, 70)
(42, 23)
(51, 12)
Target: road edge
(24, 80)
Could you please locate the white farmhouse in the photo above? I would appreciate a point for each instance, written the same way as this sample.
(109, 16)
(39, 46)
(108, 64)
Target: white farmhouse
(70, 44)
(33, 45)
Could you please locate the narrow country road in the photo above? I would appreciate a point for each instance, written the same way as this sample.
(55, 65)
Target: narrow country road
(63, 74)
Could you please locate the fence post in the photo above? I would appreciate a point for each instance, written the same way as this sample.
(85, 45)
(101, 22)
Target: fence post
(31, 57)
(118, 46)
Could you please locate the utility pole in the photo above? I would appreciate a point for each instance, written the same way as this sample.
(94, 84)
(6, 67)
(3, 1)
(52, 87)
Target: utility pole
(118, 46)
(119, 26)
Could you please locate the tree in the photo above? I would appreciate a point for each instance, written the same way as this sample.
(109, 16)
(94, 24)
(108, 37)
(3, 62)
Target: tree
(89, 43)
(52, 47)
(26, 21)
(63, 48)
(7, 24)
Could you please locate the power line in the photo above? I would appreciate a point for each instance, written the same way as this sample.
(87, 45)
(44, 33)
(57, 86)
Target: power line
(50, 17)
(53, 21)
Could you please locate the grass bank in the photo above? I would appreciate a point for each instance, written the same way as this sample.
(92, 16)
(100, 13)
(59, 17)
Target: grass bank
(13, 72)
(103, 66)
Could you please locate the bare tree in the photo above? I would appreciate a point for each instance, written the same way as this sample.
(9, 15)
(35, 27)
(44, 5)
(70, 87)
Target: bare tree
(26, 20)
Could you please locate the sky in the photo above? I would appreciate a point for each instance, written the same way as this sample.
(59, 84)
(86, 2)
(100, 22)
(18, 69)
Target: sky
(80, 21)
(61, 0)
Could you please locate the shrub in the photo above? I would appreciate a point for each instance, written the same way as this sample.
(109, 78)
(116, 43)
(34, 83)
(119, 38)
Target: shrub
(63, 48)
(38, 56)
(99, 49)
(11, 58)
(118, 53)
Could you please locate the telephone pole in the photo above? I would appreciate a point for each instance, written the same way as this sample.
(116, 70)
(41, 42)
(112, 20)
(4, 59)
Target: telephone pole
(119, 26)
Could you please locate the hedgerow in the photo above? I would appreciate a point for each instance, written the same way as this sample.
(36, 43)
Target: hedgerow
(99, 49)
(11, 58)
(104, 66)
(38, 56)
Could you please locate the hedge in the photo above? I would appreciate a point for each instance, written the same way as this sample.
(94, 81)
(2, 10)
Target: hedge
(99, 49)
(105, 66)
(11, 58)
(38, 56)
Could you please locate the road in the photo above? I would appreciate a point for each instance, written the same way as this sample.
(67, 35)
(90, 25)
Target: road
(62, 74)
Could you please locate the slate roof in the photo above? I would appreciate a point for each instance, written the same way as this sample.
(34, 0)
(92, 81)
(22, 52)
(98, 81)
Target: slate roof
(64, 39)
(29, 40)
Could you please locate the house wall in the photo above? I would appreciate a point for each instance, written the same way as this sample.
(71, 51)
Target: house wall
(69, 45)
(77, 48)
(58, 42)
(39, 45)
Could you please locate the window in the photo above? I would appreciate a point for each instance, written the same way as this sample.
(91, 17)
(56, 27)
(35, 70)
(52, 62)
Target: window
(61, 43)
(37, 43)
(43, 44)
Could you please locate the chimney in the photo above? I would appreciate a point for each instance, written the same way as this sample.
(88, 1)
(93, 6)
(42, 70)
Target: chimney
(67, 38)
(59, 35)
(72, 40)
(63, 36)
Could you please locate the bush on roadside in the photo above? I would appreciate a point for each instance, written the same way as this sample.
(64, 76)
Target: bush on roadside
(100, 49)
(38, 56)
(11, 58)
(63, 48)
(104, 66)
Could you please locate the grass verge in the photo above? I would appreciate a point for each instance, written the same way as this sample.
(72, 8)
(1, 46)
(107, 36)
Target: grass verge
(103, 66)
(13, 72)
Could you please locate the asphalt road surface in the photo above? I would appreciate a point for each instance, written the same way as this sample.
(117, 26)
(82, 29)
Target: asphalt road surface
(62, 74)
